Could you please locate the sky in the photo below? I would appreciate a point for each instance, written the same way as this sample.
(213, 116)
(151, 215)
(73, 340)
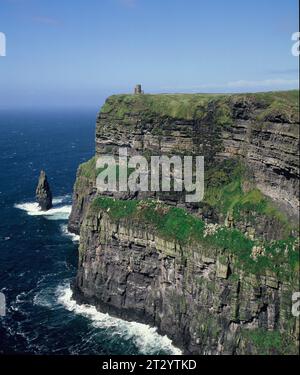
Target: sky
(62, 53)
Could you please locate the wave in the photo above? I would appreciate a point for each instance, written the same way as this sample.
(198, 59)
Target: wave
(42, 298)
(145, 337)
(61, 199)
(74, 237)
(58, 212)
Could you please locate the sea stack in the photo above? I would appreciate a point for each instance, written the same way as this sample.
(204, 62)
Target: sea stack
(43, 193)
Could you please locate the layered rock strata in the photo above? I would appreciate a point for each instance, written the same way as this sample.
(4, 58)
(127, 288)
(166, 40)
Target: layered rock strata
(198, 295)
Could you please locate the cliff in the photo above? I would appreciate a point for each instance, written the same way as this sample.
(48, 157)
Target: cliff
(217, 276)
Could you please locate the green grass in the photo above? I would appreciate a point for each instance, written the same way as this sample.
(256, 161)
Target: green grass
(255, 201)
(117, 209)
(270, 342)
(224, 192)
(175, 224)
(88, 169)
(284, 103)
(171, 223)
(173, 105)
(191, 106)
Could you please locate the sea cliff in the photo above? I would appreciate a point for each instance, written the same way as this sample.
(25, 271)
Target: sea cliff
(218, 276)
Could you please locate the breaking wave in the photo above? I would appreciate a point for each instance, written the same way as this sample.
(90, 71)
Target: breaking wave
(74, 237)
(59, 211)
(145, 337)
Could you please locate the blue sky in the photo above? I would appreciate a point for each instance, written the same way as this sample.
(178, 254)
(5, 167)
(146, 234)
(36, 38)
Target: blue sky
(75, 53)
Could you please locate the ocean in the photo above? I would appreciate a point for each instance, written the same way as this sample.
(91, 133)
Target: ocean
(38, 257)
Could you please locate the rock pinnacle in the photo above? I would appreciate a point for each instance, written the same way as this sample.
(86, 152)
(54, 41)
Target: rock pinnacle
(43, 193)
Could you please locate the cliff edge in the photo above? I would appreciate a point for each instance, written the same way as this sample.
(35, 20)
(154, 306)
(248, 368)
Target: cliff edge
(217, 276)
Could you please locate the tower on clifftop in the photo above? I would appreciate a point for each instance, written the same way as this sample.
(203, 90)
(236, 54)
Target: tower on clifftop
(138, 90)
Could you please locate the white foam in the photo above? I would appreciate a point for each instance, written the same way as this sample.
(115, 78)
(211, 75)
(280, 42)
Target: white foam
(61, 199)
(74, 237)
(55, 213)
(42, 298)
(57, 200)
(145, 337)
(21, 297)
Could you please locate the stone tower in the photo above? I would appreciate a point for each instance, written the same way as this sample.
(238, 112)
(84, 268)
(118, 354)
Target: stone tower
(138, 90)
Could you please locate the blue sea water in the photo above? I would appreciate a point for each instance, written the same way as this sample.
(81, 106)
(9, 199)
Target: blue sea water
(38, 257)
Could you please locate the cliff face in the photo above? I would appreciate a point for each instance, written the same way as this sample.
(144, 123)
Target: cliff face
(197, 296)
(84, 192)
(206, 289)
(246, 126)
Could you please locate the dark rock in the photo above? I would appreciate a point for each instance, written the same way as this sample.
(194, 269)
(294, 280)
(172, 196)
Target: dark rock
(201, 300)
(129, 272)
(242, 109)
(43, 193)
(267, 142)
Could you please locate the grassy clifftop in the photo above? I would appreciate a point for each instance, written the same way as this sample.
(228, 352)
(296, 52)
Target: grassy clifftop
(187, 106)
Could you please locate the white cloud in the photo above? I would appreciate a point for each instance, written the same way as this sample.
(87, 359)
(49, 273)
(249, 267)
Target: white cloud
(265, 84)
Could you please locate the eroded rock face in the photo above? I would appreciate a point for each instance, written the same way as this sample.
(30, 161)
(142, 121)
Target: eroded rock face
(83, 194)
(43, 193)
(267, 141)
(193, 294)
(188, 292)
